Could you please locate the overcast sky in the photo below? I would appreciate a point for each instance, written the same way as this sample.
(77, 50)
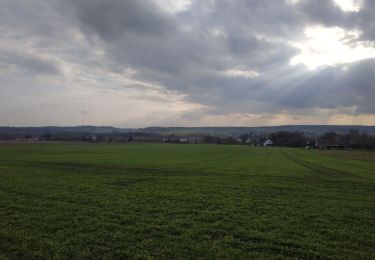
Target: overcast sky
(132, 63)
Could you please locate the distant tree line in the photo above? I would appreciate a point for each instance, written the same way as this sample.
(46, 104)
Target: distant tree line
(290, 139)
(353, 139)
(329, 140)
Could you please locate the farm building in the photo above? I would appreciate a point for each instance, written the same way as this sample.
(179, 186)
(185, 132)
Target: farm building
(332, 146)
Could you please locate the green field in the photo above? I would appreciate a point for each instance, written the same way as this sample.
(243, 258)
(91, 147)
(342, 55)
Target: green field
(185, 201)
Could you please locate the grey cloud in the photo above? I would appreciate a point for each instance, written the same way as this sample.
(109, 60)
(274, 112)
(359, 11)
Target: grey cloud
(29, 63)
(190, 61)
(41, 20)
(350, 85)
(261, 17)
(169, 53)
(115, 18)
(365, 20)
(329, 14)
(334, 87)
(189, 52)
(323, 12)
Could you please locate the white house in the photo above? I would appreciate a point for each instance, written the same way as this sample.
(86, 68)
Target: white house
(268, 142)
(183, 140)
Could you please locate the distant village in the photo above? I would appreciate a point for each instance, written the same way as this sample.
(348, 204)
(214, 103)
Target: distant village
(353, 139)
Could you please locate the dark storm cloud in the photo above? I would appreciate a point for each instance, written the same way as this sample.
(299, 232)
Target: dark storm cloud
(365, 20)
(115, 18)
(323, 12)
(191, 52)
(266, 17)
(162, 49)
(138, 34)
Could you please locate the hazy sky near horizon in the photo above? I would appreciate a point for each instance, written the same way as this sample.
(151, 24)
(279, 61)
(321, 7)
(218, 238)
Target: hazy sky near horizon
(132, 63)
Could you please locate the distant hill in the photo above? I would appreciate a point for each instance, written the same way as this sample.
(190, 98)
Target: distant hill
(308, 129)
(58, 130)
(217, 131)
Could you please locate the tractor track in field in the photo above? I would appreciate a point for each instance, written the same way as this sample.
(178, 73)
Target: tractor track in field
(318, 168)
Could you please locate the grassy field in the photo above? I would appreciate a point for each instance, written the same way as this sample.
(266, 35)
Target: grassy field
(185, 201)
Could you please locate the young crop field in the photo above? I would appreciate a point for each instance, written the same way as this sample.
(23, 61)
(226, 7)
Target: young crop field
(169, 201)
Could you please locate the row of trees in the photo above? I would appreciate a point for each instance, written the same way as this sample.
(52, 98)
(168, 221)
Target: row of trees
(290, 139)
(352, 139)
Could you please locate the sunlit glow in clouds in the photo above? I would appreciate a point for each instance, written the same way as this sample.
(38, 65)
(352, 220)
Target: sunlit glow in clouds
(330, 46)
(349, 5)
